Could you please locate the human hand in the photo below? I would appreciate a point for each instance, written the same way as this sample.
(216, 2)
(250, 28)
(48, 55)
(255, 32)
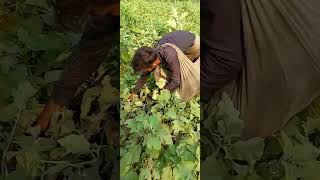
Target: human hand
(43, 120)
(132, 96)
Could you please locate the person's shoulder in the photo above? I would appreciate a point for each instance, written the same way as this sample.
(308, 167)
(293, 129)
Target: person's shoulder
(165, 48)
(179, 32)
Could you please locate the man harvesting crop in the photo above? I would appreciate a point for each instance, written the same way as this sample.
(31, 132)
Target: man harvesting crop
(178, 54)
(101, 29)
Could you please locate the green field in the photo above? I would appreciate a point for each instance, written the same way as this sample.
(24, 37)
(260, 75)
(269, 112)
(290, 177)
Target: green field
(159, 133)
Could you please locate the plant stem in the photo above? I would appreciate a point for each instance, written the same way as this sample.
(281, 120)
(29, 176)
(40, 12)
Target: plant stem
(3, 163)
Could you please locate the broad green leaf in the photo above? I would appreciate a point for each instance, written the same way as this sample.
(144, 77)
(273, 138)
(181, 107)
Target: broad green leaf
(38, 3)
(130, 176)
(230, 124)
(22, 94)
(213, 168)
(145, 174)
(28, 160)
(155, 173)
(249, 151)
(136, 151)
(171, 114)
(312, 124)
(52, 76)
(124, 169)
(8, 113)
(165, 135)
(75, 143)
(46, 144)
(92, 173)
(55, 169)
(127, 158)
(166, 173)
(154, 143)
(17, 174)
(138, 103)
(310, 170)
(109, 94)
(154, 122)
(298, 152)
(25, 142)
(58, 153)
(164, 96)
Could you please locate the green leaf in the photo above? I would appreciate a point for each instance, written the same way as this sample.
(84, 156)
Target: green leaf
(23, 93)
(88, 98)
(310, 170)
(52, 76)
(127, 158)
(17, 174)
(38, 3)
(138, 103)
(165, 135)
(130, 176)
(312, 124)
(75, 144)
(46, 144)
(8, 113)
(58, 153)
(55, 169)
(164, 96)
(166, 173)
(298, 152)
(229, 123)
(136, 151)
(249, 151)
(92, 173)
(154, 122)
(32, 24)
(28, 160)
(213, 168)
(25, 142)
(171, 114)
(154, 143)
(145, 174)
(109, 94)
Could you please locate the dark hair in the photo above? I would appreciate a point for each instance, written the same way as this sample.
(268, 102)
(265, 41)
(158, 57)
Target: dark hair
(144, 57)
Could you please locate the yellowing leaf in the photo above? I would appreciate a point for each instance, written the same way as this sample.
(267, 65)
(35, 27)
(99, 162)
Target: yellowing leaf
(161, 83)
(166, 173)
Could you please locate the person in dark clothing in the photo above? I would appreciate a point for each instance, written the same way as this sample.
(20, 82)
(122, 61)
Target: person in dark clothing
(276, 77)
(147, 59)
(221, 45)
(101, 29)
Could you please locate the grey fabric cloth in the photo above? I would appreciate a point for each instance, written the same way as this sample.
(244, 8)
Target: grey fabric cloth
(281, 74)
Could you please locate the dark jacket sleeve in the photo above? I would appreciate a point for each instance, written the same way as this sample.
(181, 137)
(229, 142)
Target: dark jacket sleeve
(141, 82)
(96, 41)
(221, 44)
(171, 57)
